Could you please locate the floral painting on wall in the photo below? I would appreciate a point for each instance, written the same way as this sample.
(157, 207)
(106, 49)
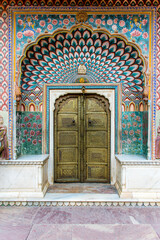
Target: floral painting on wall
(29, 27)
(29, 133)
(134, 132)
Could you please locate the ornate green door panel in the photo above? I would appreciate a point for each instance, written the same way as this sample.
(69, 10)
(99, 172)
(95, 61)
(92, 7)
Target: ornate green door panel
(82, 139)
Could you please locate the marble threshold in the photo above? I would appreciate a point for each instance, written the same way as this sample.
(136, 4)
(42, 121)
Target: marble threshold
(79, 199)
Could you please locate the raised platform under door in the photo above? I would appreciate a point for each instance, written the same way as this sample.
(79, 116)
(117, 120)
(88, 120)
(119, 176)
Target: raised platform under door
(24, 178)
(137, 177)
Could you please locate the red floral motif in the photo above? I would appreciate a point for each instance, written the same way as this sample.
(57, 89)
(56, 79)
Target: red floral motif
(34, 141)
(131, 132)
(123, 125)
(39, 141)
(122, 23)
(28, 33)
(135, 33)
(125, 116)
(124, 30)
(115, 20)
(145, 35)
(36, 17)
(134, 124)
(109, 21)
(103, 16)
(42, 23)
(29, 124)
(72, 20)
(29, 139)
(114, 27)
(26, 119)
(134, 139)
(144, 21)
(128, 125)
(66, 21)
(32, 133)
(31, 115)
(25, 132)
(98, 21)
(34, 125)
(23, 140)
(19, 35)
(138, 118)
(39, 125)
(125, 132)
(20, 21)
(49, 20)
(38, 30)
(103, 23)
(23, 125)
(91, 20)
(38, 117)
(50, 27)
(138, 131)
(38, 133)
(132, 114)
(54, 22)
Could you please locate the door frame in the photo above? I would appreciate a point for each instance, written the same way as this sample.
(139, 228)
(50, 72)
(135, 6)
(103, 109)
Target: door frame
(51, 93)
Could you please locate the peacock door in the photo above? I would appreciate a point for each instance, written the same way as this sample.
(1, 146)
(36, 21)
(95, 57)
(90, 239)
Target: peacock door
(82, 138)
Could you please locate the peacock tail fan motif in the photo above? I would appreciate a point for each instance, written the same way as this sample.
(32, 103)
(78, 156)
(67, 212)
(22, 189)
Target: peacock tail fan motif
(108, 59)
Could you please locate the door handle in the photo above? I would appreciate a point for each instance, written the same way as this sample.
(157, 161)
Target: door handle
(89, 122)
(73, 122)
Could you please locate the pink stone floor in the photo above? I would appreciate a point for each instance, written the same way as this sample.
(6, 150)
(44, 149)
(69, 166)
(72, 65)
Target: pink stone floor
(76, 223)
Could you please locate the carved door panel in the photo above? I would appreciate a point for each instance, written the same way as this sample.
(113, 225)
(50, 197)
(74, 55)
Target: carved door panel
(97, 139)
(67, 149)
(82, 139)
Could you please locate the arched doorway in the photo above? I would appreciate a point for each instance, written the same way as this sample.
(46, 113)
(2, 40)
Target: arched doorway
(108, 58)
(82, 138)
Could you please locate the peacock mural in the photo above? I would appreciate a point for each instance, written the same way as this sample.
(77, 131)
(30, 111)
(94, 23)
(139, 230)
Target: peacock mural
(107, 58)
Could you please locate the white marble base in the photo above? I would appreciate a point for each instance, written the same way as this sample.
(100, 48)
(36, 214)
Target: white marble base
(25, 177)
(137, 177)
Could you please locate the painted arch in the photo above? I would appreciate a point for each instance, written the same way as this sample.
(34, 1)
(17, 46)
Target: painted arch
(108, 58)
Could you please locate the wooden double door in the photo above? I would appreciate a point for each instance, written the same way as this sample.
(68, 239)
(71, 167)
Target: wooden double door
(82, 139)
